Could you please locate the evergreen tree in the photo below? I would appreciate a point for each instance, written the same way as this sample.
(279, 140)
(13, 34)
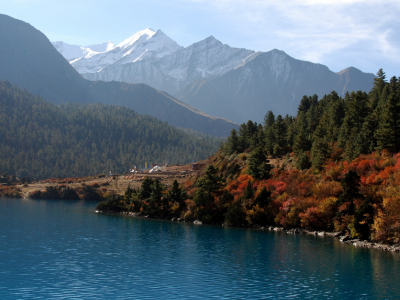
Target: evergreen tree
(336, 114)
(269, 119)
(376, 92)
(211, 182)
(363, 218)
(156, 191)
(258, 164)
(145, 189)
(280, 131)
(356, 112)
(175, 193)
(368, 141)
(305, 104)
(320, 148)
(388, 134)
(270, 140)
(258, 138)
(303, 161)
(302, 142)
(249, 192)
(264, 198)
(236, 215)
(232, 144)
(350, 185)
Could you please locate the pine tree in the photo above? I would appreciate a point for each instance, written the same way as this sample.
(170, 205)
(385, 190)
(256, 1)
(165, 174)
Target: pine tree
(336, 114)
(270, 140)
(280, 131)
(376, 92)
(258, 138)
(264, 198)
(320, 148)
(388, 134)
(258, 164)
(232, 144)
(156, 191)
(211, 182)
(305, 104)
(145, 189)
(302, 142)
(368, 141)
(249, 191)
(269, 119)
(175, 193)
(357, 110)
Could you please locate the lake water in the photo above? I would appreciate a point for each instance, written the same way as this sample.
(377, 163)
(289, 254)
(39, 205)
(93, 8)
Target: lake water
(64, 250)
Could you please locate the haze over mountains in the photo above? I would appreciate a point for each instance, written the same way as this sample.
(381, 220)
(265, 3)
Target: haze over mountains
(237, 84)
(28, 60)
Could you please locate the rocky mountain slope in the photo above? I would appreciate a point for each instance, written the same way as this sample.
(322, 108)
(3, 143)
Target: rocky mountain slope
(153, 58)
(232, 83)
(270, 81)
(29, 60)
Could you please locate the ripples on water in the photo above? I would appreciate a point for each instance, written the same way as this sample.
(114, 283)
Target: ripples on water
(63, 250)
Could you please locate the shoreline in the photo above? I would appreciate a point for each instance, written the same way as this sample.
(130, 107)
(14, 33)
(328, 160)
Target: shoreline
(346, 239)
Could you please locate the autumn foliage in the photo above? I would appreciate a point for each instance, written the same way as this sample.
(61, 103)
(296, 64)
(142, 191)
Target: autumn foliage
(361, 197)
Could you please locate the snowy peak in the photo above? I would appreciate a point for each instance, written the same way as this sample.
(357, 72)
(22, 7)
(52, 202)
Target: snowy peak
(145, 45)
(72, 52)
(153, 58)
(106, 46)
(137, 37)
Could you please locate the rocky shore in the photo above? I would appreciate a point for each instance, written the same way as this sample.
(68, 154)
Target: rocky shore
(347, 239)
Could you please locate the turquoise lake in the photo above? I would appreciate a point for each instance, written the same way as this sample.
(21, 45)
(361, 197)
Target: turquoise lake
(64, 250)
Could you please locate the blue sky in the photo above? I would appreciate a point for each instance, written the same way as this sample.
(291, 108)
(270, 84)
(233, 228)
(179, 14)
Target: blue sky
(338, 33)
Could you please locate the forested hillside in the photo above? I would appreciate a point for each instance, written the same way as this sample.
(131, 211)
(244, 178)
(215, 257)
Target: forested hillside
(42, 140)
(332, 127)
(28, 60)
(334, 167)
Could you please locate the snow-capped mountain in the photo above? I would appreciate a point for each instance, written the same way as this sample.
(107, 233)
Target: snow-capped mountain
(146, 45)
(28, 60)
(153, 58)
(71, 52)
(237, 84)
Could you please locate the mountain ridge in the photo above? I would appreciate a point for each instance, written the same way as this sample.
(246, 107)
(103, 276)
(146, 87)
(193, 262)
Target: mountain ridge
(270, 80)
(30, 61)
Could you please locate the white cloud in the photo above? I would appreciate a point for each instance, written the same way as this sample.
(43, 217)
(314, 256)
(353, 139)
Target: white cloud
(315, 30)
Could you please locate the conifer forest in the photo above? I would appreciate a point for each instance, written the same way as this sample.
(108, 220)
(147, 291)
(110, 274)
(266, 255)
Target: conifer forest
(334, 167)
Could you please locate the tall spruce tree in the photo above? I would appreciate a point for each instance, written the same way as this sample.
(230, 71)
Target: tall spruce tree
(269, 119)
(320, 148)
(388, 134)
(259, 167)
(302, 141)
(232, 143)
(376, 92)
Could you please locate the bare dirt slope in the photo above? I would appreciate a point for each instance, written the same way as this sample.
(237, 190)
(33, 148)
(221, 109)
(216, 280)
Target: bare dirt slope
(117, 183)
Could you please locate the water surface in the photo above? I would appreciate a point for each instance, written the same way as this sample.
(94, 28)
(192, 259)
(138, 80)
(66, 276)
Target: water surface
(64, 250)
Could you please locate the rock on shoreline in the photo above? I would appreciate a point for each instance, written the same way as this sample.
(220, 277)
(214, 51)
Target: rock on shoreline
(338, 234)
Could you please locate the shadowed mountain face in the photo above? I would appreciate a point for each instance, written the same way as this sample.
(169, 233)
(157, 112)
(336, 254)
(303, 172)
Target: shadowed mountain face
(30, 61)
(270, 81)
(237, 84)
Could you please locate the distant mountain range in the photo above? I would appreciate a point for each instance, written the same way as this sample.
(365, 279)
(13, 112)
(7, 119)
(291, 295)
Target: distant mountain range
(28, 60)
(237, 84)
